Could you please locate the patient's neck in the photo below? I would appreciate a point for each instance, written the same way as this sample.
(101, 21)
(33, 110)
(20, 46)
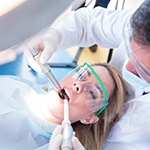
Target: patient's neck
(46, 114)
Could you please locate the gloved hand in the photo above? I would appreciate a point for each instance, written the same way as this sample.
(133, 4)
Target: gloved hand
(56, 140)
(46, 44)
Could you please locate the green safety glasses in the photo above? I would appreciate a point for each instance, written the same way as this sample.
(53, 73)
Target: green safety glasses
(96, 93)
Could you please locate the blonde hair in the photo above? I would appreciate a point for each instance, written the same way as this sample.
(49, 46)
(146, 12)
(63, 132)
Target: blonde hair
(93, 136)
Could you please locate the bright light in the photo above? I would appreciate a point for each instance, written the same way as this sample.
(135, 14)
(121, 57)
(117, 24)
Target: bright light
(8, 5)
(35, 103)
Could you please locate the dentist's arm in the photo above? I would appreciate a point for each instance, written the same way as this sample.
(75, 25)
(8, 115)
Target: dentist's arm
(83, 28)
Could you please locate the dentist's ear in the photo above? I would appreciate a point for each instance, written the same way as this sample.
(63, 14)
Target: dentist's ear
(90, 119)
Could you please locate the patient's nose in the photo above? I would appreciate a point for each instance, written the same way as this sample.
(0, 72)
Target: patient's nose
(78, 86)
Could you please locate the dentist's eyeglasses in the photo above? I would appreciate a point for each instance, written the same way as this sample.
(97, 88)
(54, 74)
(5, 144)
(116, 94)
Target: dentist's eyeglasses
(141, 69)
(96, 93)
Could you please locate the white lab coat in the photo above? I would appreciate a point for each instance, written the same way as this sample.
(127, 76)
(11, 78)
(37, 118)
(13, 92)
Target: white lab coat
(105, 28)
(21, 124)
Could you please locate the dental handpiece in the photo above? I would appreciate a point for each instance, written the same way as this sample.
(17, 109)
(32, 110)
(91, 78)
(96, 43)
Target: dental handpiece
(46, 70)
(48, 73)
(67, 129)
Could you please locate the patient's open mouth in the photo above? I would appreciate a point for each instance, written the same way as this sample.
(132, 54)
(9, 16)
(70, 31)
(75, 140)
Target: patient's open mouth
(63, 94)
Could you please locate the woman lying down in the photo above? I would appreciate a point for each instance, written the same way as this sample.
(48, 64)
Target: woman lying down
(28, 115)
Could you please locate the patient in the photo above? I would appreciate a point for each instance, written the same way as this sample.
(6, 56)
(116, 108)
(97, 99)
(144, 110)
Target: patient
(28, 115)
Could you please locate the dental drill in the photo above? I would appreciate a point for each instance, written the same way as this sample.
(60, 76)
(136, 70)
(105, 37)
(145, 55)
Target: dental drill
(48, 73)
(67, 128)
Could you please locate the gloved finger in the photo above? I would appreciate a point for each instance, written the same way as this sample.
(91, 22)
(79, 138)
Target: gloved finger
(58, 130)
(30, 60)
(33, 42)
(51, 40)
(76, 144)
(55, 143)
(56, 138)
(47, 52)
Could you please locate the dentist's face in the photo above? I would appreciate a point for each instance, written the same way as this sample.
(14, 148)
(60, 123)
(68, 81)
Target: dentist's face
(79, 95)
(142, 66)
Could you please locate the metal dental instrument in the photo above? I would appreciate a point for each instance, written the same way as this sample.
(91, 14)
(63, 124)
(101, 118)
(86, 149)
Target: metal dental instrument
(48, 73)
(46, 70)
(67, 129)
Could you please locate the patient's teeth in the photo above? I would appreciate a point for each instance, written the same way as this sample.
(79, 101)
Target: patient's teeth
(68, 94)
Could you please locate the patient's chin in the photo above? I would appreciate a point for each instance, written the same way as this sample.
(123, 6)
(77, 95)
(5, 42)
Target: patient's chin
(52, 96)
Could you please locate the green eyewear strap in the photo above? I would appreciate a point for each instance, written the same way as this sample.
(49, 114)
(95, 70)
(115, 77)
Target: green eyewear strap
(101, 84)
